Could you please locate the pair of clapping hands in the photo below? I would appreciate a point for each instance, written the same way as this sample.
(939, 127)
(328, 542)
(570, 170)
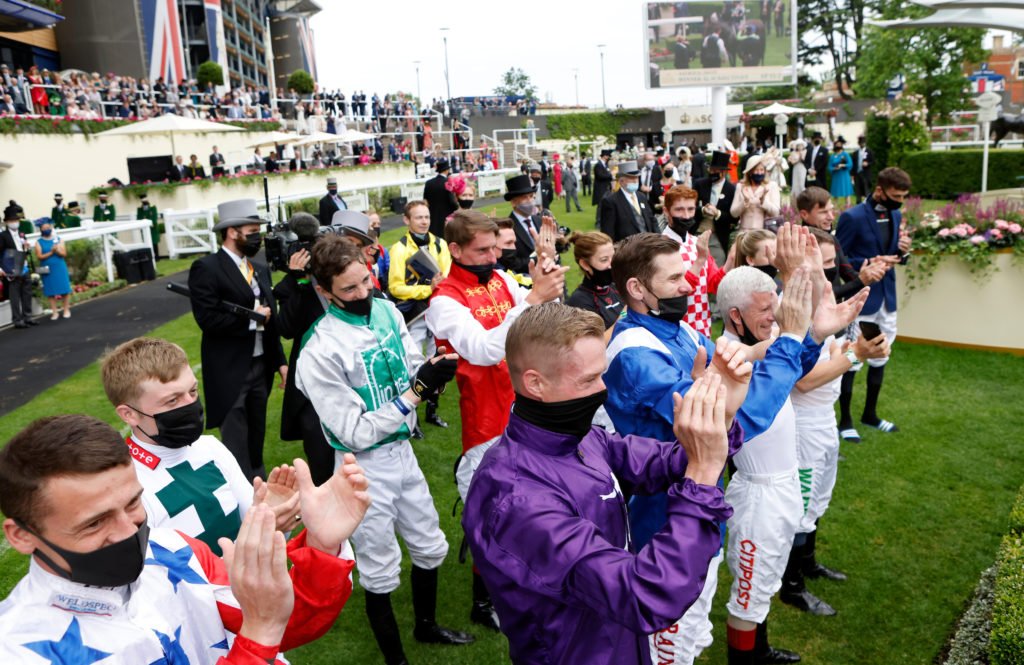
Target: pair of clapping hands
(548, 277)
(257, 559)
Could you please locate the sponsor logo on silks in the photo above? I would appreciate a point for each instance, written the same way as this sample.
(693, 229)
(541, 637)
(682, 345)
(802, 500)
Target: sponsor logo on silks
(664, 646)
(806, 480)
(744, 582)
(81, 605)
(141, 455)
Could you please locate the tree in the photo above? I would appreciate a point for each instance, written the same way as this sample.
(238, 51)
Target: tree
(301, 82)
(515, 82)
(209, 73)
(833, 28)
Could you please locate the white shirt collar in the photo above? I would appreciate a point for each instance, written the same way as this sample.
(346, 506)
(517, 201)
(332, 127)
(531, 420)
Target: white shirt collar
(238, 258)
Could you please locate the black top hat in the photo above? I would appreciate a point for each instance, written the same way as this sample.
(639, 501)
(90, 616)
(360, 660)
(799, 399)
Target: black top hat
(816, 135)
(719, 160)
(11, 214)
(606, 152)
(442, 165)
(517, 186)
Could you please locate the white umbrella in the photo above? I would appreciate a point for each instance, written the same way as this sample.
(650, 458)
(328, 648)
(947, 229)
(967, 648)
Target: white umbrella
(319, 137)
(963, 17)
(353, 136)
(274, 138)
(170, 125)
(777, 108)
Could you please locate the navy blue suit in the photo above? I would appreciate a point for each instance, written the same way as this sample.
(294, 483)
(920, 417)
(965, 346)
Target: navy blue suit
(858, 234)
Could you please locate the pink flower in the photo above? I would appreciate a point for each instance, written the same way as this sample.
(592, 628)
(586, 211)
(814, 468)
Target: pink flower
(1001, 224)
(943, 233)
(977, 240)
(1014, 228)
(995, 234)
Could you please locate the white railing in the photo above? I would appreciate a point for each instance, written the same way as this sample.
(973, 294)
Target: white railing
(108, 232)
(1005, 143)
(948, 132)
(189, 232)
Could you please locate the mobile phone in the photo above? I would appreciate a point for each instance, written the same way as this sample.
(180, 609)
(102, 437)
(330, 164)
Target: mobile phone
(870, 330)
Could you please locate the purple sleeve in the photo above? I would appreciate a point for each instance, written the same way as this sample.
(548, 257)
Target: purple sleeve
(648, 466)
(543, 545)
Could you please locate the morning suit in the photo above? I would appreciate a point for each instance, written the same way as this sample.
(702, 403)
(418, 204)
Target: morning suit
(619, 219)
(328, 206)
(861, 171)
(817, 159)
(441, 203)
(602, 181)
(723, 226)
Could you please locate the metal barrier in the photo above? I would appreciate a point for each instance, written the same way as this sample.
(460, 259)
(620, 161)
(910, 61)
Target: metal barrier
(108, 233)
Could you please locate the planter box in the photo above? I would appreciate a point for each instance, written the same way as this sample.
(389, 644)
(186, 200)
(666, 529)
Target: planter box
(955, 309)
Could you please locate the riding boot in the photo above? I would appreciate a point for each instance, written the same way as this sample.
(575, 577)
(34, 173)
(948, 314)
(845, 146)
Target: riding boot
(765, 654)
(794, 590)
(385, 627)
(424, 606)
(432, 416)
(483, 611)
(810, 567)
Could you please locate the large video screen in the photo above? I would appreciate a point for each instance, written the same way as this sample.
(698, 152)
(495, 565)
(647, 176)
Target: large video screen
(735, 42)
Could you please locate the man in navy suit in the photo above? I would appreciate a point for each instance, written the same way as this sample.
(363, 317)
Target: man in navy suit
(866, 230)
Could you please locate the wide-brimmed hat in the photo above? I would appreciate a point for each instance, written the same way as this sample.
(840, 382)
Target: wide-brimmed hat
(517, 186)
(353, 223)
(43, 220)
(752, 163)
(237, 213)
(719, 160)
(628, 169)
(839, 139)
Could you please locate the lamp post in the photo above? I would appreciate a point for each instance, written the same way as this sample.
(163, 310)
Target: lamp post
(419, 97)
(576, 76)
(604, 102)
(447, 82)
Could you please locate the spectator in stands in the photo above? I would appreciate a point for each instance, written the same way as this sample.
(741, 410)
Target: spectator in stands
(8, 107)
(40, 100)
(195, 169)
(178, 171)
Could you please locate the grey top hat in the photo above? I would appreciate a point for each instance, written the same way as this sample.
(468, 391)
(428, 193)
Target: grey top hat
(628, 168)
(332, 181)
(534, 166)
(237, 213)
(353, 223)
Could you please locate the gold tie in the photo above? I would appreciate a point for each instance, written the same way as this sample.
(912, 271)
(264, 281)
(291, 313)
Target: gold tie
(633, 202)
(247, 271)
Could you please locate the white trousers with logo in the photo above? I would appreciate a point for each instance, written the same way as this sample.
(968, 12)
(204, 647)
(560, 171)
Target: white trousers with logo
(683, 641)
(817, 449)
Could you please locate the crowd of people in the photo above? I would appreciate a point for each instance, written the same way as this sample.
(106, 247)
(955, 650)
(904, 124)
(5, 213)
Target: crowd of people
(598, 428)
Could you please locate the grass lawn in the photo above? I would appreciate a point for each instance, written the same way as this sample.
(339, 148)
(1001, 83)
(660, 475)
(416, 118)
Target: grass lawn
(916, 515)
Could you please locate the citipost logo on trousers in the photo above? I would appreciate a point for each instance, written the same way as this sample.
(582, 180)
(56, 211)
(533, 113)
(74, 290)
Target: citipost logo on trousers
(748, 557)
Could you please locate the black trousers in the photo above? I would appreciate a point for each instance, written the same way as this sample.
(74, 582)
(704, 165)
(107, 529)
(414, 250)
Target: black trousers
(245, 424)
(862, 185)
(19, 291)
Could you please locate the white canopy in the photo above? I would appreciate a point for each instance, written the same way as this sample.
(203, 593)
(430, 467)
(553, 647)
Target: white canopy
(319, 137)
(169, 124)
(274, 138)
(955, 15)
(353, 136)
(776, 108)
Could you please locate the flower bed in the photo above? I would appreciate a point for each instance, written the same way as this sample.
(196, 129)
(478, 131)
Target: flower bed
(965, 230)
(68, 125)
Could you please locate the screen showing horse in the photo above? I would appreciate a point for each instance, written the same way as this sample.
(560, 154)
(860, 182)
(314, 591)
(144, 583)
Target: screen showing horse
(734, 42)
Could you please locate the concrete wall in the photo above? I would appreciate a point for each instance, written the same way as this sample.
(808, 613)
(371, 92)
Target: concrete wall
(956, 309)
(72, 165)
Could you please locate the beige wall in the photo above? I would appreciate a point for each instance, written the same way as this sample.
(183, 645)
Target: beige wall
(955, 308)
(72, 165)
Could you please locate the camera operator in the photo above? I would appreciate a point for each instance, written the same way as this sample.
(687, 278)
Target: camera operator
(239, 355)
(299, 307)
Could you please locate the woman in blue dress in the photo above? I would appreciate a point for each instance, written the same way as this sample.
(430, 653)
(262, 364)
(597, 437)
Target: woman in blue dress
(50, 252)
(839, 163)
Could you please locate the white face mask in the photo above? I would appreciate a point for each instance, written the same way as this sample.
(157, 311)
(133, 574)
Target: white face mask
(13, 226)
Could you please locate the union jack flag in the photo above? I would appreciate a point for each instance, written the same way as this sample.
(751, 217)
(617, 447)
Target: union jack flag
(164, 52)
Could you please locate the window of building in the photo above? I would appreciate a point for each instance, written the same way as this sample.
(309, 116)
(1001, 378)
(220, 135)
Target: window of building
(1020, 69)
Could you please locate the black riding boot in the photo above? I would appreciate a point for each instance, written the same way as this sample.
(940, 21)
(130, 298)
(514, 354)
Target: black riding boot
(385, 627)
(810, 567)
(794, 590)
(424, 605)
(764, 654)
(483, 610)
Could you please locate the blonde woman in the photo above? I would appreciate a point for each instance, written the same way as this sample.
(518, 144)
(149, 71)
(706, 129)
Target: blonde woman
(756, 198)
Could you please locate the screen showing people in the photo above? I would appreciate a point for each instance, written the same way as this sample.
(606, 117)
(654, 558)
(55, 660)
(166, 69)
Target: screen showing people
(734, 42)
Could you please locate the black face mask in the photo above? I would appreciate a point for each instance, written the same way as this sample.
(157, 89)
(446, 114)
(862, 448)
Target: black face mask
(178, 427)
(831, 274)
(572, 417)
(602, 278)
(359, 307)
(466, 204)
(889, 204)
(250, 247)
(115, 565)
(670, 309)
(421, 239)
(717, 175)
(757, 178)
(683, 225)
(483, 273)
(768, 269)
(507, 256)
(747, 337)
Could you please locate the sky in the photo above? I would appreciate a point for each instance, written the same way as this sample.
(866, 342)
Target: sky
(371, 46)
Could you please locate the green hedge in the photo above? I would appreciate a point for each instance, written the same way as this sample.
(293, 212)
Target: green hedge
(566, 126)
(949, 173)
(1006, 646)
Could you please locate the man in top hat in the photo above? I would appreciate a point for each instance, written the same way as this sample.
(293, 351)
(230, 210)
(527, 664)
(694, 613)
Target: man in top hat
(602, 177)
(14, 272)
(239, 355)
(58, 210)
(147, 210)
(715, 193)
(104, 211)
(71, 219)
(441, 202)
(816, 161)
(543, 193)
(626, 212)
(331, 203)
(526, 222)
